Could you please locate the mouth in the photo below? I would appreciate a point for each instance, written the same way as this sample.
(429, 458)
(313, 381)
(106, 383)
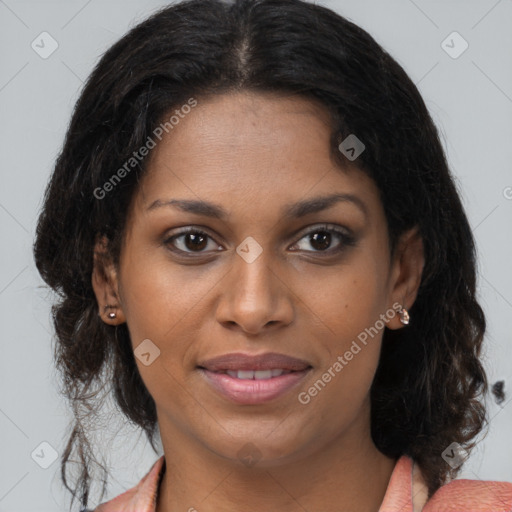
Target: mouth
(252, 380)
(254, 374)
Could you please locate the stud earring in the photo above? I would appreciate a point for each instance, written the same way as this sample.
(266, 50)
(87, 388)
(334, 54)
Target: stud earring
(112, 315)
(404, 316)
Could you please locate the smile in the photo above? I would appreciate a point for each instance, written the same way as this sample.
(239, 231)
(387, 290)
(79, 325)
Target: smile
(256, 374)
(252, 387)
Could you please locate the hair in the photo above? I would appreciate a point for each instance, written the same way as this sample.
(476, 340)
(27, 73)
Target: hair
(428, 386)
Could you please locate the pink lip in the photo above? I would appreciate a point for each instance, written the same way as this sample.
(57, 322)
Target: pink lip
(250, 391)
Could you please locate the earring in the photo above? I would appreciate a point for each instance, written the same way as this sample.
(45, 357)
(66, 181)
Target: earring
(112, 315)
(404, 316)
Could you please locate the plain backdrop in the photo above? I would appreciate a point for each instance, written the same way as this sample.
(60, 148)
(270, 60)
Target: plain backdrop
(469, 95)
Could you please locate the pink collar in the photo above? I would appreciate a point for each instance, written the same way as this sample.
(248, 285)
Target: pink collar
(405, 487)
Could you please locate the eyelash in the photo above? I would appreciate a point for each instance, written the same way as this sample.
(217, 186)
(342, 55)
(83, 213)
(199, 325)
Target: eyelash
(346, 240)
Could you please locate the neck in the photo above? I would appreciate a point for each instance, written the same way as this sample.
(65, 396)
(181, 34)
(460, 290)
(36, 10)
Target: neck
(347, 474)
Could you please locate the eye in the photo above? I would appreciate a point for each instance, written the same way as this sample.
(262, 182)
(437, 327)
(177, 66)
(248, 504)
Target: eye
(191, 240)
(325, 239)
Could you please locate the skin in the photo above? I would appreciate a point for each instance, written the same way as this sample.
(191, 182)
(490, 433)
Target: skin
(253, 154)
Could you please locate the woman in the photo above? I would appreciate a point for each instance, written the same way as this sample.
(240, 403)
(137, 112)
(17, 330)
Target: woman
(255, 234)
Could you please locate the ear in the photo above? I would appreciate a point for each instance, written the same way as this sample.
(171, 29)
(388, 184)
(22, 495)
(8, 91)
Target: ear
(406, 272)
(105, 284)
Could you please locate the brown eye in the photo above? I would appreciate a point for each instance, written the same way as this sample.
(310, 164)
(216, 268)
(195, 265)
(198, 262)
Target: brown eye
(325, 239)
(191, 241)
(195, 241)
(320, 240)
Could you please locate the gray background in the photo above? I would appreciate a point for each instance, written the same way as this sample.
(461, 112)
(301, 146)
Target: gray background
(469, 97)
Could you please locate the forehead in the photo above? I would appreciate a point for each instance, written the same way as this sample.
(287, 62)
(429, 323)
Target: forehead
(250, 151)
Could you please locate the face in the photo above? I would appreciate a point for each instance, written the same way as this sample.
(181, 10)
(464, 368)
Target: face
(245, 237)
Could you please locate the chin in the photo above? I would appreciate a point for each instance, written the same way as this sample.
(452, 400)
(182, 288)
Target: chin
(259, 446)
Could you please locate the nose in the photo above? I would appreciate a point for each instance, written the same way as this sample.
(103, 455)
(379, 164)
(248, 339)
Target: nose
(255, 298)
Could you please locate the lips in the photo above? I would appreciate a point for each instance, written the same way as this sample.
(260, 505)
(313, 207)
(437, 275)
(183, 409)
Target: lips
(243, 362)
(252, 380)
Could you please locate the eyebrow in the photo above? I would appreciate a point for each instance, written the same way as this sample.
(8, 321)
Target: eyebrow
(296, 210)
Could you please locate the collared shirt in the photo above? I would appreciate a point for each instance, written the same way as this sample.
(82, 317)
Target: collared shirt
(406, 492)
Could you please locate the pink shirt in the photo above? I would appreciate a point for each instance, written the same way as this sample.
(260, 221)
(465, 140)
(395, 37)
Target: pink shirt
(406, 492)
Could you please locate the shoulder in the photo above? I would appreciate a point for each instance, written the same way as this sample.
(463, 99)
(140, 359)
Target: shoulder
(471, 495)
(142, 497)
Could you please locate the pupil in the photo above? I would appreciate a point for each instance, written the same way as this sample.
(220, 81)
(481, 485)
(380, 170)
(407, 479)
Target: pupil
(323, 240)
(197, 241)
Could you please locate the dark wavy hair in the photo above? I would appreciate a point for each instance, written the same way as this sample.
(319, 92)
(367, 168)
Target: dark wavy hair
(429, 383)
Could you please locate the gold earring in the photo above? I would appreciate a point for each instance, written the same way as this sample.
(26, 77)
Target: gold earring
(404, 316)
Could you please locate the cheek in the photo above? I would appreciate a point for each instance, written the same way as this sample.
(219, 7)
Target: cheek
(163, 305)
(349, 306)
(349, 300)
(168, 306)
(157, 297)
(147, 301)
